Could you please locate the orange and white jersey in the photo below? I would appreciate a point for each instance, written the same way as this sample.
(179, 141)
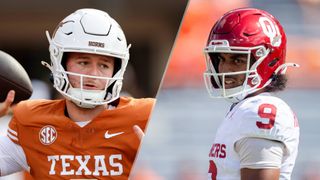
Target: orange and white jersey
(262, 116)
(56, 147)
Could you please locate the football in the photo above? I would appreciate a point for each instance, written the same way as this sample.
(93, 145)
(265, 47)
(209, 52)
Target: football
(13, 77)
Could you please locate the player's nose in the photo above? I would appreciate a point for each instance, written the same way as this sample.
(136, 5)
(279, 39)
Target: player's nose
(224, 67)
(94, 70)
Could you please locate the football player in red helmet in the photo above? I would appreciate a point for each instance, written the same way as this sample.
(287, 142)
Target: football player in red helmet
(245, 59)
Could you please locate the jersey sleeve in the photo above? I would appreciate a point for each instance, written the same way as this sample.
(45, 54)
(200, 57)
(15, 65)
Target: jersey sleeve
(12, 132)
(269, 118)
(145, 111)
(21, 116)
(258, 153)
(12, 157)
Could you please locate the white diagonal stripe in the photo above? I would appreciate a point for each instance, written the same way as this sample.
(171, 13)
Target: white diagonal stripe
(12, 137)
(13, 132)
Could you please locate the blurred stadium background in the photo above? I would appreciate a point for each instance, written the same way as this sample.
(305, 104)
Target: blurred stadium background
(185, 120)
(149, 25)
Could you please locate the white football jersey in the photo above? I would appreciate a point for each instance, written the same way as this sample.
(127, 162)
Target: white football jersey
(261, 116)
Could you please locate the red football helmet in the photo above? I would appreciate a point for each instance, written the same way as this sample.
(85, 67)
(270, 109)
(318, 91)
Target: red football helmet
(252, 32)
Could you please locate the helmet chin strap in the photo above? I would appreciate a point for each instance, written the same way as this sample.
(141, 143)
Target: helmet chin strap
(83, 95)
(47, 65)
(283, 68)
(236, 98)
(48, 37)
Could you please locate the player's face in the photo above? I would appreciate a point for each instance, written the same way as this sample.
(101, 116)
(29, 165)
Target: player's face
(89, 64)
(229, 62)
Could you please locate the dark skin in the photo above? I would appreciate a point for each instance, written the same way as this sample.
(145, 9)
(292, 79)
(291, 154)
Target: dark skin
(261, 174)
(238, 62)
(232, 63)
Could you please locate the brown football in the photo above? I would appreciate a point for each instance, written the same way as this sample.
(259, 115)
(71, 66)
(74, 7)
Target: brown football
(13, 76)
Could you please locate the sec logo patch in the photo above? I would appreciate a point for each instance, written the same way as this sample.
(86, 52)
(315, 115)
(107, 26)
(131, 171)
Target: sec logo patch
(48, 135)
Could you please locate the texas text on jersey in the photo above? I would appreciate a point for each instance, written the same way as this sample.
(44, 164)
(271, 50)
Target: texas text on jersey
(262, 116)
(57, 148)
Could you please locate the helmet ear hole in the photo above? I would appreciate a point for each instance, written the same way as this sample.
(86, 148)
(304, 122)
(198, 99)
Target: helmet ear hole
(64, 60)
(273, 62)
(54, 50)
(117, 65)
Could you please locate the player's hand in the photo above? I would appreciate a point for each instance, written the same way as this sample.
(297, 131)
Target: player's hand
(5, 105)
(138, 131)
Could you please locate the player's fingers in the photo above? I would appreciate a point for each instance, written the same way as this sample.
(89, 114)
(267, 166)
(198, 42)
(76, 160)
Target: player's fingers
(5, 106)
(138, 131)
(10, 98)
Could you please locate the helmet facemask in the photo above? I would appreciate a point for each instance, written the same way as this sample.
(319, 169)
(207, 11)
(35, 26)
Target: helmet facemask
(83, 97)
(216, 82)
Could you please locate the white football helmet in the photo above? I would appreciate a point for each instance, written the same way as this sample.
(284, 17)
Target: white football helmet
(88, 31)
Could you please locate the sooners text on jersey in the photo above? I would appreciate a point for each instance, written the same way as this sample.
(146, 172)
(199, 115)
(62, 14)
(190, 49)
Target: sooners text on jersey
(262, 116)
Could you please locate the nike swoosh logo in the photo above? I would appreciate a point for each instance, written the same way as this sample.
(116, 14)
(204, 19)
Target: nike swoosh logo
(107, 135)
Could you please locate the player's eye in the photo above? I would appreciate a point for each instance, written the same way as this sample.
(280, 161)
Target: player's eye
(239, 61)
(104, 66)
(83, 63)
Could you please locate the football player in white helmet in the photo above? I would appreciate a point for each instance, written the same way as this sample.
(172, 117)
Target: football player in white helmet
(245, 57)
(92, 133)
(85, 32)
